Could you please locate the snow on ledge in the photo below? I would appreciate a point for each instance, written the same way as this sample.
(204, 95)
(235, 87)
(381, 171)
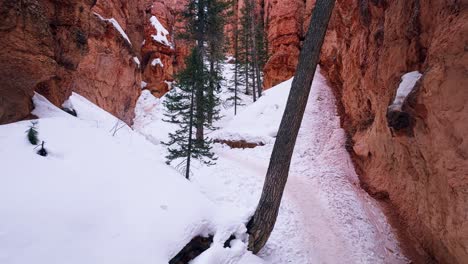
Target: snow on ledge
(116, 26)
(157, 61)
(137, 61)
(407, 85)
(161, 32)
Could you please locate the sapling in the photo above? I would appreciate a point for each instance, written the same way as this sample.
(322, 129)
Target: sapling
(32, 133)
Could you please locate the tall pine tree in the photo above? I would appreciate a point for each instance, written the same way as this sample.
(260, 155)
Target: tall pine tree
(183, 110)
(193, 103)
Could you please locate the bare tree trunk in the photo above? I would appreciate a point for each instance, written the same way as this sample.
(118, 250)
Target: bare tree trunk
(263, 221)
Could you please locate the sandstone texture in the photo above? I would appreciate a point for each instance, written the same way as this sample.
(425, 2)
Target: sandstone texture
(41, 44)
(56, 47)
(421, 171)
(284, 23)
(160, 60)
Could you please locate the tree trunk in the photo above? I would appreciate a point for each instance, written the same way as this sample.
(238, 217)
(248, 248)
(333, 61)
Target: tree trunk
(255, 53)
(211, 87)
(247, 48)
(236, 66)
(200, 35)
(189, 147)
(262, 223)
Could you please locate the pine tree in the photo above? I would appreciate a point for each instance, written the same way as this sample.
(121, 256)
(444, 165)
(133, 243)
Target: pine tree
(237, 81)
(186, 112)
(33, 134)
(194, 101)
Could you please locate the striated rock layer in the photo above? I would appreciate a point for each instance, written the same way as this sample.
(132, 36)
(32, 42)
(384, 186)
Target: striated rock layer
(420, 168)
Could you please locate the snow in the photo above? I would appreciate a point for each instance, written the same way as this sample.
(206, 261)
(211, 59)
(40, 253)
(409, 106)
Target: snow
(137, 61)
(105, 195)
(407, 85)
(116, 25)
(161, 32)
(97, 198)
(325, 217)
(157, 61)
(260, 121)
(143, 84)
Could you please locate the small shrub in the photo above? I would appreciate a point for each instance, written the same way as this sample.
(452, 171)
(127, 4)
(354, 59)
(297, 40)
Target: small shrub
(42, 151)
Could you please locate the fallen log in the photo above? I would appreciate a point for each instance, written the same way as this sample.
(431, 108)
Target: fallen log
(239, 143)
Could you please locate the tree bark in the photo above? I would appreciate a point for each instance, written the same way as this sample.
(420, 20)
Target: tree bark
(189, 148)
(236, 66)
(262, 223)
(255, 53)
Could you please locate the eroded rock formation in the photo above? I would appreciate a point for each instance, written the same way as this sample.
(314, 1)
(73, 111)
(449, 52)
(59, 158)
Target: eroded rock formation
(100, 49)
(423, 172)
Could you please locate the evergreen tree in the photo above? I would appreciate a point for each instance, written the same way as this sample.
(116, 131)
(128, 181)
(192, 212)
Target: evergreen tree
(33, 134)
(184, 110)
(252, 48)
(193, 104)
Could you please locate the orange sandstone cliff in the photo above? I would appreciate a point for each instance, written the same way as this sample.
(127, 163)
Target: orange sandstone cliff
(419, 167)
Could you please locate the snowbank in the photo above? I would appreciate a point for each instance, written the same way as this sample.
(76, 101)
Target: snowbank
(258, 122)
(96, 198)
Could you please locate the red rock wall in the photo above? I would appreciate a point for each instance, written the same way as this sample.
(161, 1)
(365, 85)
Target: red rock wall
(172, 58)
(108, 75)
(56, 47)
(422, 172)
(41, 44)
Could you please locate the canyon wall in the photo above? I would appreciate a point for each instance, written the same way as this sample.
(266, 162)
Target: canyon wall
(418, 166)
(102, 50)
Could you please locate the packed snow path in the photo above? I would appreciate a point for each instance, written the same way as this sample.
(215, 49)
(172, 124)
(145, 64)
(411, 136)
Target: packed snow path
(324, 217)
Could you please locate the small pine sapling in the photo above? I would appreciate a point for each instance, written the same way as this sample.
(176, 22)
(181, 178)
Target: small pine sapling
(32, 133)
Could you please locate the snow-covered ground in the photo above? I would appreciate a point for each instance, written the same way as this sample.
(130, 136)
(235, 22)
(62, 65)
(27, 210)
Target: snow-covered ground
(324, 217)
(105, 195)
(102, 195)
